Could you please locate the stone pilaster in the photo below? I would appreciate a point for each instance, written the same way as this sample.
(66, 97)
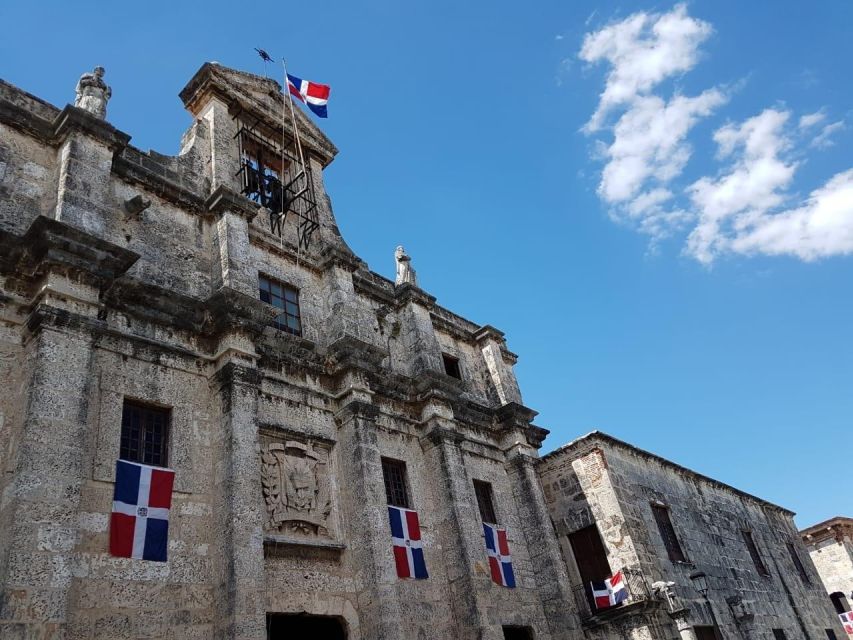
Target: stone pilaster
(239, 507)
(233, 268)
(67, 269)
(87, 144)
(551, 579)
(416, 330)
(499, 362)
(458, 532)
(366, 518)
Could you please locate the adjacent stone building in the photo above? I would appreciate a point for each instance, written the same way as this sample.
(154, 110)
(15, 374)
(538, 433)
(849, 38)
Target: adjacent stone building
(674, 534)
(202, 312)
(830, 546)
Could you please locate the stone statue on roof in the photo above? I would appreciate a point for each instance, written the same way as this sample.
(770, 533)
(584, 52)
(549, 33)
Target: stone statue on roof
(405, 271)
(93, 93)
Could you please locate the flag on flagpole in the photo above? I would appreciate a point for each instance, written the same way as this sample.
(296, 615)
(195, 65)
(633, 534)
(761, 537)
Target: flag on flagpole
(313, 94)
(139, 523)
(610, 592)
(500, 561)
(406, 540)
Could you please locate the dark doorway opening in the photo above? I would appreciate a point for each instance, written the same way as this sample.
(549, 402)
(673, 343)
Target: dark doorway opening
(518, 633)
(705, 633)
(289, 626)
(591, 559)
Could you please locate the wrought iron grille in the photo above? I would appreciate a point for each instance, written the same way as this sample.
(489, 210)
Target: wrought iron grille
(144, 434)
(635, 584)
(271, 174)
(396, 489)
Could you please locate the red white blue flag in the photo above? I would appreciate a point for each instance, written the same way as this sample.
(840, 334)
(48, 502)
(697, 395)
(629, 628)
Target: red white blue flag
(139, 524)
(500, 561)
(313, 94)
(610, 592)
(847, 621)
(406, 539)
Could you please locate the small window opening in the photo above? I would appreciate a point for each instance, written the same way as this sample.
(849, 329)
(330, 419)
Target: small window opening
(754, 554)
(839, 601)
(396, 486)
(667, 533)
(795, 558)
(285, 298)
(779, 634)
(451, 366)
(144, 434)
(483, 491)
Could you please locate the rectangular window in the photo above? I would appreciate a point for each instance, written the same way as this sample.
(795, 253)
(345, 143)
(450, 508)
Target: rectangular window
(753, 552)
(285, 298)
(396, 487)
(451, 366)
(483, 491)
(830, 634)
(144, 434)
(779, 634)
(795, 558)
(667, 534)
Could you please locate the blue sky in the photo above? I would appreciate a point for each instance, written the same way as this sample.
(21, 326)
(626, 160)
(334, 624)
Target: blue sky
(674, 270)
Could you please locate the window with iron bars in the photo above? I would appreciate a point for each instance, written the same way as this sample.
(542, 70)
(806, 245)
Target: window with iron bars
(144, 434)
(396, 487)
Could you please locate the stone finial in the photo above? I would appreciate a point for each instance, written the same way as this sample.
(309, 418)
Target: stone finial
(405, 270)
(93, 93)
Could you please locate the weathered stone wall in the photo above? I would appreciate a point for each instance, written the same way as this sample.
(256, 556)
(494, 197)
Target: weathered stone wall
(830, 546)
(101, 302)
(603, 481)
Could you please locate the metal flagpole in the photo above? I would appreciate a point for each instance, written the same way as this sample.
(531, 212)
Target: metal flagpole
(293, 115)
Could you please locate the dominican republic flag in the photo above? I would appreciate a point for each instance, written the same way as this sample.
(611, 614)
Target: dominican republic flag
(139, 524)
(847, 621)
(406, 538)
(500, 562)
(313, 94)
(610, 592)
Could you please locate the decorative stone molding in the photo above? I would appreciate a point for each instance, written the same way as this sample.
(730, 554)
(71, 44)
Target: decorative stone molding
(297, 487)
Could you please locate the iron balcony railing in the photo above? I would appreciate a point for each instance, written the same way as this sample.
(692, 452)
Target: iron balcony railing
(635, 584)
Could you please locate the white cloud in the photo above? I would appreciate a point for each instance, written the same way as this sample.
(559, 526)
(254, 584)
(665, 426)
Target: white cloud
(820, 227)
(643, 50)
(824, 140)
(743, 210)
(649, 143)
(749, 207)
(811, 119)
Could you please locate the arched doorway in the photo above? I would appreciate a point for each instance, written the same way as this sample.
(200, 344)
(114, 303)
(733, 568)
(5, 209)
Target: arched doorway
(295, 626)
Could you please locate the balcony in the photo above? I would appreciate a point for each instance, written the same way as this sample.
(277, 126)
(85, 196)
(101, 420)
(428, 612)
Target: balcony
(640, 599)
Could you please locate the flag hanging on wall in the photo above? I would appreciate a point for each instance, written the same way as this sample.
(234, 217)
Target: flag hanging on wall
(139, 523)
(610, 592)
(406, 539)
(500, 561)
(313, 94)
(847, 621)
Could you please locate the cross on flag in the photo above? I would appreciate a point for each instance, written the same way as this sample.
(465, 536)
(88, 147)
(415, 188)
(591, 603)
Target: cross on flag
(406, 540)
(500, 561)
(313, 94)
(139, 523)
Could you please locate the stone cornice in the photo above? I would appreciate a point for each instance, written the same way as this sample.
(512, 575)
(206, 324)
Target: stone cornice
(357, 409)
(406, 293)
(75, 120)
(229, 310)
(49, 243)
(836, 528)
(226, 199)
(232, 374)
(335, 256)
(350, 353)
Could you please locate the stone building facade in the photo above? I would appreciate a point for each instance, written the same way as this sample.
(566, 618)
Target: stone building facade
(618, 508)
(152, 308)
(830, 545)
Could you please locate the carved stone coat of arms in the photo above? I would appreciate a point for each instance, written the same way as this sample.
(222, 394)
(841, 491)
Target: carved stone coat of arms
(295, 479)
